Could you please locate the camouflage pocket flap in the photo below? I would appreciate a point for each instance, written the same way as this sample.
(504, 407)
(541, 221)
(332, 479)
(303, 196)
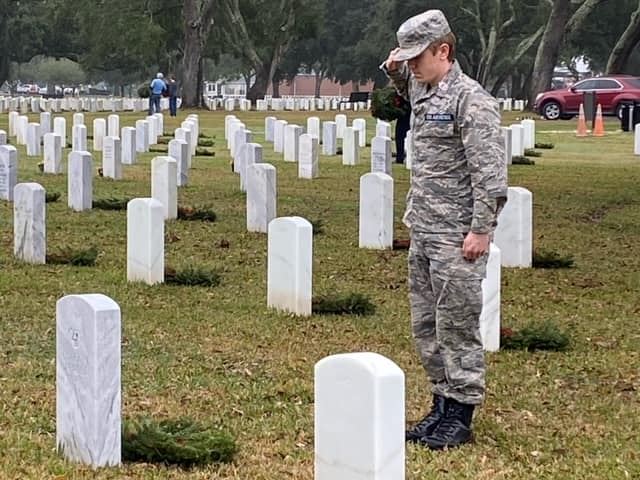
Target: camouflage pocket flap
(439, 129)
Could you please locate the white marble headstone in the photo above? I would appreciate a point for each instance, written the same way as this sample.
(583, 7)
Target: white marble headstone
(242, 137)
(164, 184)
(88, 382)
(29, 227)
(60, 128)
(179, 150)
(3, 137)
(508, 149)
(33, 140)
(111, 158)
(517, 140)
(234, 124)
(261, 196)
(113, 128)
(145, 241)
(308, 156)
(193, 140)
(45, 123)
(341, 124)
(381, 155)
(80, 180)
(52, 153)
(99, 132)
(383, 129)
(350, 147)
(490, 316)
(289, 270)
(514, 234)
(21, 132)
(313, 127)
(79, 138)
(329, 138)
(360, 125)
(529, 130)
(636, 149)
(292, 142)
(227, 123)
(13, 123)
(142, 136)
(8, 171)
(128, 144)
(278, 135)
(185, 135)
(359, 418)
(78, 119)
(269, 123)
(376, 211)
(252, 153)
(408, 150)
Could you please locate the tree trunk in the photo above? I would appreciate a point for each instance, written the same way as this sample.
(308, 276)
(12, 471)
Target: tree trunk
(259, 88)
(4, 49)
(247, 81)
(549, 48)
(559, 25)
(625, 45)
(319, 78)
(197, 19)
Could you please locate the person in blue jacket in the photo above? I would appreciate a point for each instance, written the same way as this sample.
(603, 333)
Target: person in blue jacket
(157, 86)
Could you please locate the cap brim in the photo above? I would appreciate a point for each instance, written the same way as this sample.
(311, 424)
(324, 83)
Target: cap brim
(408, 53)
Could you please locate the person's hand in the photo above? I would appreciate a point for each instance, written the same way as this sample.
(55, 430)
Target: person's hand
(475, 245)
(390, 63)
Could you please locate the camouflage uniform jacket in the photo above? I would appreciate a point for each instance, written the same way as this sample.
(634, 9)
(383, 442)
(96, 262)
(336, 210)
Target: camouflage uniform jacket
(458, 171)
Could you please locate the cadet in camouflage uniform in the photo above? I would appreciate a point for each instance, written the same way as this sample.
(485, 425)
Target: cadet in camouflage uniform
(458, 187)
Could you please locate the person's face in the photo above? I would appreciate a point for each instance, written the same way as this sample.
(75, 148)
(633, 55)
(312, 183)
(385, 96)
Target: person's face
(429, 67)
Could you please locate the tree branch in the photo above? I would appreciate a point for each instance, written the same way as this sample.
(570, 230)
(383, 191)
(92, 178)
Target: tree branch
(580, 15)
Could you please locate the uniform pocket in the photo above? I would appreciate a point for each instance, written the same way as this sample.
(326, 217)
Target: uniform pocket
(439, 129)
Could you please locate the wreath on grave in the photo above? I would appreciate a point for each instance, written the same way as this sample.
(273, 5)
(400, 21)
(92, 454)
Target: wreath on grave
(387, 105)
(535, 336)
(180, 442)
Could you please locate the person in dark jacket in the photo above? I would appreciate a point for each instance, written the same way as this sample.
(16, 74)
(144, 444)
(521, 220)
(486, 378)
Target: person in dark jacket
(172, 87)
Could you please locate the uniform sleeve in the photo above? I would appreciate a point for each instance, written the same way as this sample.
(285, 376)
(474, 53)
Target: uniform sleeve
(484, 149)
(399, 78)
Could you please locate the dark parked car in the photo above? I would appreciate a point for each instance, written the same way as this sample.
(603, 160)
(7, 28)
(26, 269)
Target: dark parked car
(611, 93)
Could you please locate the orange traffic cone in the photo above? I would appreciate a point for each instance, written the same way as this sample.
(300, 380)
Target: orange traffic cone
(598, 130)
(582, 123)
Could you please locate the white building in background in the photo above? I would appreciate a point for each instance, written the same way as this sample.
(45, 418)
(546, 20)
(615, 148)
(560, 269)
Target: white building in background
(225, 89)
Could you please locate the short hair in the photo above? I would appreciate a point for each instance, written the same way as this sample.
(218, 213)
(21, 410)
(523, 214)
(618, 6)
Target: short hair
(448, 39)
(159, 75)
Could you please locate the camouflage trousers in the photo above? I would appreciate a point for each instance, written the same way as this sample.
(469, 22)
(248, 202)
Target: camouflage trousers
(446, 300)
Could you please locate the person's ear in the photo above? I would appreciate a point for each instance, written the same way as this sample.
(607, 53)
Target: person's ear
(444, 51)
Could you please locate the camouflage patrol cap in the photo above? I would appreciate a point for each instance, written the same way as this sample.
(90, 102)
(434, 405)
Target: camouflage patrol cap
(417, 33)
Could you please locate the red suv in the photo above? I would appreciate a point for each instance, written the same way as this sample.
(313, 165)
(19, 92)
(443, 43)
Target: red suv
(611, 92)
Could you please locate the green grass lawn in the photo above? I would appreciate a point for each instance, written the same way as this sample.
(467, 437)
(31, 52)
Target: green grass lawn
(221, 357)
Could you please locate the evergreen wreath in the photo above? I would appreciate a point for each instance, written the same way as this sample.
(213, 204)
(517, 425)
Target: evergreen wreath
(549, 259)
(349, 304)
(191, 276)
(82, 258)
(180, 442)
(387, 105)
(535, 336)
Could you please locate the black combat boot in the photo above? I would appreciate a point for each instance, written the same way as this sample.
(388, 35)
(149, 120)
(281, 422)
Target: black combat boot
(428, 424)
(454, 429)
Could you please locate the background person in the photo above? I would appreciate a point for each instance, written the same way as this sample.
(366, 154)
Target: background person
(172, 88)
(157, 86)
